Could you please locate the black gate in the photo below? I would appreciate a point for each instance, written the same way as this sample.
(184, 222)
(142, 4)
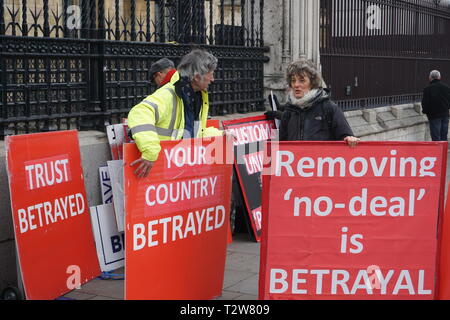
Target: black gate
(82, 64)
(380, 52)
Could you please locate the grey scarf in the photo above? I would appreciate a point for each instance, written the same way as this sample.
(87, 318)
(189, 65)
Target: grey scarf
(309, 99)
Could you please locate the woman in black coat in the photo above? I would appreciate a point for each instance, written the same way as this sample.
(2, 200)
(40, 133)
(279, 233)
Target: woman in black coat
(310, 115)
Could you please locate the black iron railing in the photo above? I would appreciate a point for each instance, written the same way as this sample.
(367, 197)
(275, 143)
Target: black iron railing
(83, 64)
(382, 50)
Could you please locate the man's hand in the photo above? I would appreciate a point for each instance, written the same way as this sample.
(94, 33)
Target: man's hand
(144, 167)
(352, 141)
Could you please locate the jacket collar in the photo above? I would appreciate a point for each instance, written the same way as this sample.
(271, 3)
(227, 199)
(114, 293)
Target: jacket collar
(175, 78)
(168, 77)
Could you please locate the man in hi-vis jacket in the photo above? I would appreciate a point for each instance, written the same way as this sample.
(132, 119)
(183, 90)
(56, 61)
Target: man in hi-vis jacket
(177, 110)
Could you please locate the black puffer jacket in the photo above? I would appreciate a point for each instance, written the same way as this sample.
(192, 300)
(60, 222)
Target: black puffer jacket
(323, 121)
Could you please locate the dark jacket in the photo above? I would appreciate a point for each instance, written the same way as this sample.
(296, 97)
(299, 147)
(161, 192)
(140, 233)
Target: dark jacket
(323, 121)
(436, 100)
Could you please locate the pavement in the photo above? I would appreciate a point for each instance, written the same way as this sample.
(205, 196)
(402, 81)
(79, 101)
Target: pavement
(240, 281)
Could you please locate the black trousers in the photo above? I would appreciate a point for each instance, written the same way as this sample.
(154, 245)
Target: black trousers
(439, 128)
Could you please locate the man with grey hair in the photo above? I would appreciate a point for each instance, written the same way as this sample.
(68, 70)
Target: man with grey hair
(436, 105)
(177, 110)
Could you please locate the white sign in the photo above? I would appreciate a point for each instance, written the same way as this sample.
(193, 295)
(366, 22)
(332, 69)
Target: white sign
(116, 138)
(116, 173)
(109, 242)
(73, 17)
(374, 17)
(105, 185)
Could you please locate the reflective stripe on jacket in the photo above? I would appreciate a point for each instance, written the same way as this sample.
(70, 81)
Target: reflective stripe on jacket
(160, 117)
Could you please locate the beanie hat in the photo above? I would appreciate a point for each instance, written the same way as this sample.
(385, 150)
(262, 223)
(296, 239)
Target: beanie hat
(160, 65)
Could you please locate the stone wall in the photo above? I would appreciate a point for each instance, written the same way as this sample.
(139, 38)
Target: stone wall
(395, 123)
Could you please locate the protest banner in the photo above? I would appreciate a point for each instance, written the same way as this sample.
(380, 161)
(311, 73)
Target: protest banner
(251, 134)
(177, 221)
(213, 123)
(216, 124)
(352, 223)
(108, 240)
(53, 233)
(444, 266)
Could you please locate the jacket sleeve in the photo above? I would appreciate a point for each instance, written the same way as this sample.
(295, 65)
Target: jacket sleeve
(425, 101)
(207, 131)
(339, 125)
(283, 129)
(211, 132)
(448, 96)
(142, 122)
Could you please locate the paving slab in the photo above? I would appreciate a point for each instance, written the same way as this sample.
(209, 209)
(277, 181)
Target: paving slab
(247, 297)
(247, 286)
(233, 277)
(103, 298)
(243, 262)
(106, 288)
(228, 295)
(77, 295)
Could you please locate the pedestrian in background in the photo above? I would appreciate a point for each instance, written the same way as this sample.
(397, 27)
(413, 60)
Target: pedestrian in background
(162, 71)
(435, 105)
(309, 114)
(177, 110)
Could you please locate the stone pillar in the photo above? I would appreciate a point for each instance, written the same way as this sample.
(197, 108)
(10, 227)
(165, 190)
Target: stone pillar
(276, 38)
(291, 31)
(305, 17)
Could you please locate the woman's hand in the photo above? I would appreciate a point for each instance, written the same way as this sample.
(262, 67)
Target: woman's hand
(352, 141)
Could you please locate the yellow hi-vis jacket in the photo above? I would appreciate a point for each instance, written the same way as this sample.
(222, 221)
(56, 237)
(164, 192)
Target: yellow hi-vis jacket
(160, 117)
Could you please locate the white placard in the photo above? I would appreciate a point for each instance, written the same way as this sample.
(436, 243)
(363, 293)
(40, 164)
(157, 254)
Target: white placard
(116, 138)
(105, 185)
(109, 241)
(116, 174)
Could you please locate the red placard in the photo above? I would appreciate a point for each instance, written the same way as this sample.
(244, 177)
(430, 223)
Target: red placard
(213, 123)
(444, 266)
(250, 136)
(52, 226)
(352, 223)
(216, 124)
(177, 221)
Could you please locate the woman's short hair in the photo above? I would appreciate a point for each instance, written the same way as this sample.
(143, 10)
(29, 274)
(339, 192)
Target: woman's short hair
(197, 62)
(304, 68)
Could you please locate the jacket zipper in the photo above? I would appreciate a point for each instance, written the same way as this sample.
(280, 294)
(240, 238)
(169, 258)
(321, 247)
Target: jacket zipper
(302, 121)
